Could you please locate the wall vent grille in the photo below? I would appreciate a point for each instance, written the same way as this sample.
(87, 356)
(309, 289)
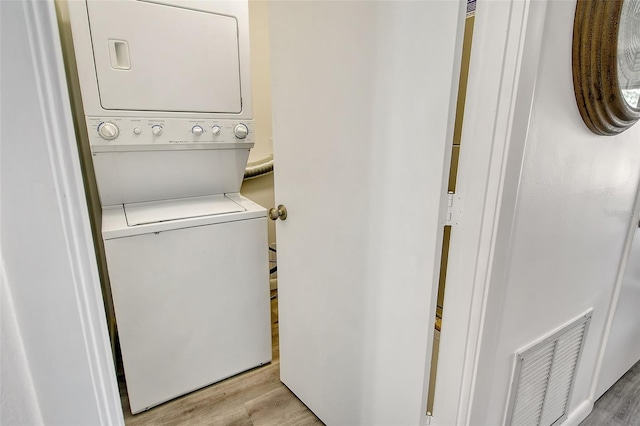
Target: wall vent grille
(544, 376)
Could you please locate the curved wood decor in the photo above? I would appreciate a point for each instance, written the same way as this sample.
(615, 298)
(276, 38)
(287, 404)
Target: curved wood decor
(595, 78)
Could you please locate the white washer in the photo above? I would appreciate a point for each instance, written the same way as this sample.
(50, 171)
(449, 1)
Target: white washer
(190, 293)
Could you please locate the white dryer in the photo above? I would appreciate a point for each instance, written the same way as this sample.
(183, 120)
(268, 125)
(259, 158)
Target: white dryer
(167, 101)
(166, 91)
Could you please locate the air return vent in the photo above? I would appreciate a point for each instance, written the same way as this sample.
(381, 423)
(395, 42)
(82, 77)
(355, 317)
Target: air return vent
(544, 376)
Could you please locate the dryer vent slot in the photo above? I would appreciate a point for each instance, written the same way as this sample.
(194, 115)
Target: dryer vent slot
(119, 55)
(544, 376)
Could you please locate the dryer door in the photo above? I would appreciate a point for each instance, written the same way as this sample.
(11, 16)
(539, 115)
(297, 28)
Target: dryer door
(154, 57)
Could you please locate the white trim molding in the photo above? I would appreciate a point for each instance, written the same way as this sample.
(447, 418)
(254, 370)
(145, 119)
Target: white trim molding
(502, 77)
(46, 53)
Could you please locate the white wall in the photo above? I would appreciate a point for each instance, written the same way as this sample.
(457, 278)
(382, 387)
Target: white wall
(260, 78)
(260, 189)
(623, 342)
(18, 403)
(45, 239)
(558, 252)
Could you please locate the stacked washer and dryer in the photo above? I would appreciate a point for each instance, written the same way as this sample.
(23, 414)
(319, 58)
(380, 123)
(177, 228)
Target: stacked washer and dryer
(167, 101)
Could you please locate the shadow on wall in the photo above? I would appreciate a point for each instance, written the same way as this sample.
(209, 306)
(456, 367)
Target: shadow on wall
(260, 189)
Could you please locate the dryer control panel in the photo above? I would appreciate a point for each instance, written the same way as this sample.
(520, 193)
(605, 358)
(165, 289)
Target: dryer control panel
(120, 133)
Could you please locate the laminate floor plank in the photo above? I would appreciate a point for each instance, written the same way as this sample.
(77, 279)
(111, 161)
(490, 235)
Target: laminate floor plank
(255, 397)
(280, 407)
(219, 403)
(620, 405)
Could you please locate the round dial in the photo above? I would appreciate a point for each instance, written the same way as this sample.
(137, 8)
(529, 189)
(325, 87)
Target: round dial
(197, 130)
(240, 131)
(216, 130)
(156, 130)
(108, 131)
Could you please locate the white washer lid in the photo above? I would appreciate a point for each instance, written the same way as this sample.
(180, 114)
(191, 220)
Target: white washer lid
(162, 211)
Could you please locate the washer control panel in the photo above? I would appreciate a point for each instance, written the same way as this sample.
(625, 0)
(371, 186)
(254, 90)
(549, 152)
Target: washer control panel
(124, 131)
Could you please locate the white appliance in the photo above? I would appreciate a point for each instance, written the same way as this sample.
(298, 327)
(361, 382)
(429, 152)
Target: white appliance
(191, 297)
(167, 101)
(166, 92)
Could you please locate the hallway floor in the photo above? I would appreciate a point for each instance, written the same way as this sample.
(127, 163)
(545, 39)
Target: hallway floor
(620, 405)
(256, 397)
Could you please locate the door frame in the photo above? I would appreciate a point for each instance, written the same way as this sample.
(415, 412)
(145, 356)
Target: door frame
(506, 49)
(46, 52)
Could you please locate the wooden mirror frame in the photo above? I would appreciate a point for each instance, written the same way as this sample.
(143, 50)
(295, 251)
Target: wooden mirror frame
(595, 76)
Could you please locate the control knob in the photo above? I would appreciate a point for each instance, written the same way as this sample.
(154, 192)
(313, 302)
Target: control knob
(197, 130)
(156, 130)
(108, 131)
(240, 131)
(216, 130)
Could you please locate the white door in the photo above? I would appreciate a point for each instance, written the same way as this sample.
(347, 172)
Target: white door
(363, 112)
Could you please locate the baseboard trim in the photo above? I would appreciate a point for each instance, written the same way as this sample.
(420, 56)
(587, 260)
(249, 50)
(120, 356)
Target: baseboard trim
(579, 414)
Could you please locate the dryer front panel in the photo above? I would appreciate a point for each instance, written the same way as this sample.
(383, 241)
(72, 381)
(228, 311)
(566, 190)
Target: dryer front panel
(156, 57)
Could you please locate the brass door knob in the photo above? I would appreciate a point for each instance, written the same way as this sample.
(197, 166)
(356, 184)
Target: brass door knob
(278, 213)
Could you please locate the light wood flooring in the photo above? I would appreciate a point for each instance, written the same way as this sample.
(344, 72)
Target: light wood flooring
(256, 397)
(620, 405)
